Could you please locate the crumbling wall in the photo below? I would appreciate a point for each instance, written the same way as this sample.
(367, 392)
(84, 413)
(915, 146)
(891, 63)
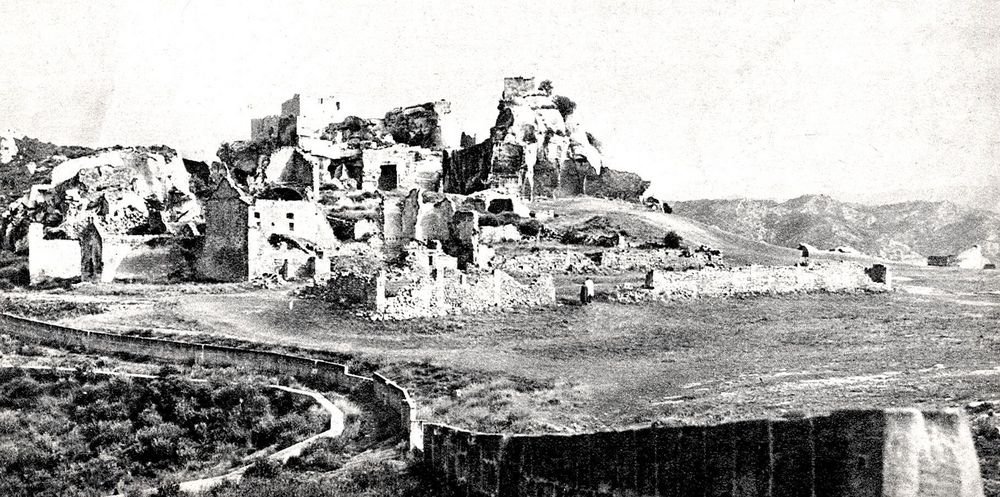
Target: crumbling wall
(51, 259)
(555, 260)
(753, 280)
(894, 452)
(142, 259)
(225, 253)
(467, 170)
(411, 167)
(429, 295)
(497, 290)
(426, 125)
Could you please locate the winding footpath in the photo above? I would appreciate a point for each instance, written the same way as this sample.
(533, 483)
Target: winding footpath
(282, 456)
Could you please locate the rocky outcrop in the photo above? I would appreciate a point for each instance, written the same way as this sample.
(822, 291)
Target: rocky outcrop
(614, 184)
(138, 190)
(538, 146)
(426, 125)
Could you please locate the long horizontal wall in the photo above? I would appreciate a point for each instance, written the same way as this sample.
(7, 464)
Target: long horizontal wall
(875, 453)
(890, 453)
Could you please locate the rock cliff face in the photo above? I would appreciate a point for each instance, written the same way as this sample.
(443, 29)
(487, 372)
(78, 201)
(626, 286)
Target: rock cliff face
(557, 151)
(131, 190)
(538, 146)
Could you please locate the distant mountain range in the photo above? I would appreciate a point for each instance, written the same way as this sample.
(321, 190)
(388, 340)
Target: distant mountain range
(900, 231)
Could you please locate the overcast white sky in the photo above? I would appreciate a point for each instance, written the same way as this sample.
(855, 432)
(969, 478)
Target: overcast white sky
(707, 99)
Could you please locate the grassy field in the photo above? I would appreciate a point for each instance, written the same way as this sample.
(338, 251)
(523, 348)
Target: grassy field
(571, 367)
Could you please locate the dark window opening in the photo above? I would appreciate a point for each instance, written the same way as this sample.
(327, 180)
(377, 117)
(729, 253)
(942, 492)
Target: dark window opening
(388, 179)
(499, 205)
(290, 215)
(291, 226)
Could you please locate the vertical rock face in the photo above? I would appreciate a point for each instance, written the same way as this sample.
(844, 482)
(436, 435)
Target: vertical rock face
(557, 152)
(426, 125)
(537, 146)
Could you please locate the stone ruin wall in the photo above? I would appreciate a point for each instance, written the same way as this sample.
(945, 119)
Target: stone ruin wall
(896, 452)
(51, 259)
(753, 280)
(433, 296)
(562, 261)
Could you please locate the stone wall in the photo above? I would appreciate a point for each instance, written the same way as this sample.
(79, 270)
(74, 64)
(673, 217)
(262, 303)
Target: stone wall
(753, 280)
(467, 170)
(146, 259)
(561, 261)
(51, 259)
(896, 452)
(440, 293)
(224, 255)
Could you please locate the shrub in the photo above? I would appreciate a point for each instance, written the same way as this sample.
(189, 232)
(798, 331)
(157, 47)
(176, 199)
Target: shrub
(546, 86)
(530, 227)
(672, 240)
(565, 105)
(264, 468)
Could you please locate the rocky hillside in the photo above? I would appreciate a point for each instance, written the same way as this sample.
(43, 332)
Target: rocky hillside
(901, 231)
(135, 190)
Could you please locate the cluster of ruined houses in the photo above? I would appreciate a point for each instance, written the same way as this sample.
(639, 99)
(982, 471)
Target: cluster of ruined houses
(389, 178)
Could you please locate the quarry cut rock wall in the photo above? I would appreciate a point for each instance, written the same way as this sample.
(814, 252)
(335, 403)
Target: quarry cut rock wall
(753, 280)
(896, 452)
(889, 453)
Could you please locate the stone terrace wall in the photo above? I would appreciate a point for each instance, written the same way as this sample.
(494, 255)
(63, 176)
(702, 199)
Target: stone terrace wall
(900, 452)
(547, 261)
(667, 285)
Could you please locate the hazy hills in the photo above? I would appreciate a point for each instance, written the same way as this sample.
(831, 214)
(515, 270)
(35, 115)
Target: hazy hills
(899, 231)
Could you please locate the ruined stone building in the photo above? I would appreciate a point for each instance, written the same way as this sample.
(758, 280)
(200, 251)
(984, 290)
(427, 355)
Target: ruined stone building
(107, 256)
(400, 151)
(247, 237)
(417, 224)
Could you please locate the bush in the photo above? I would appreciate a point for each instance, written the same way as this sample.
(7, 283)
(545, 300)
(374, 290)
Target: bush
(504, 218)
(565, 105)
(264, 468)
(672, 240)
(530, 227)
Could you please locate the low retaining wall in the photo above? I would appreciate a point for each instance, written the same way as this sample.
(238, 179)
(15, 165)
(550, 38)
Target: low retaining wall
(894, 453)
(753, 280)
(611, 261)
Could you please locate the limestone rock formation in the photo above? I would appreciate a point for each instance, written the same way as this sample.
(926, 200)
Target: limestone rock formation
(426, 125)
(538, 146)
(137, 190)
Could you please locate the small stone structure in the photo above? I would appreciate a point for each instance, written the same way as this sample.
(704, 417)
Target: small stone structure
(754, 280)
(108, 257)
(880, 274)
